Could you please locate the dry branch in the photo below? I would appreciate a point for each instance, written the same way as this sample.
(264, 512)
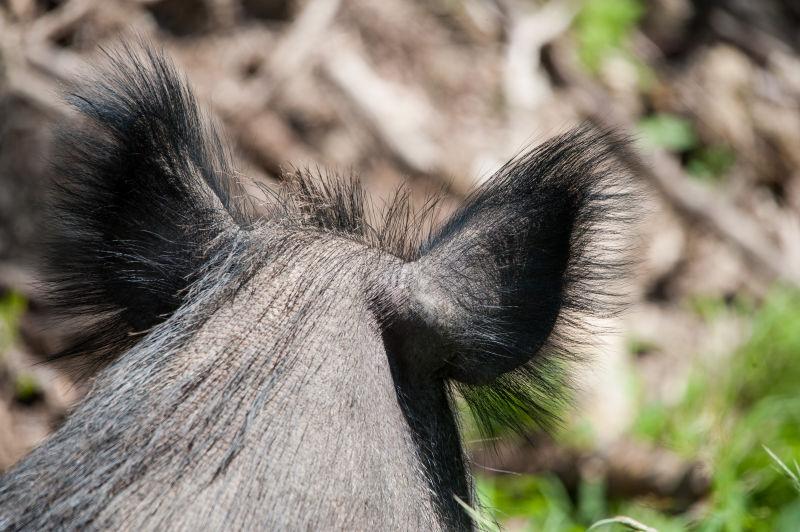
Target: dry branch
(296, 53)
(399, 118)
(695, 203)
(59, 22)
(526, 84)
(263, 138)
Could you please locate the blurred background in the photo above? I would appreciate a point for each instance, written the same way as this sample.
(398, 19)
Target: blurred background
(689, 414)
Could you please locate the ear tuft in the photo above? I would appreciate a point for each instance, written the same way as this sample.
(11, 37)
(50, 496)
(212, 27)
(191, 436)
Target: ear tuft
(511, 283)
(144, 201)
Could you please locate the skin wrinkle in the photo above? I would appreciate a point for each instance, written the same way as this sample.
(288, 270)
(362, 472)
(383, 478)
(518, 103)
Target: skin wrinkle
(193, 354)
(204, 356)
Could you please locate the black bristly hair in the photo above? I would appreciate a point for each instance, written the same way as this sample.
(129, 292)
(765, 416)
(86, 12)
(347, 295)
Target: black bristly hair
(147, 203)
(144, 199)
(535, 259)
(339, 204)
(552, 228)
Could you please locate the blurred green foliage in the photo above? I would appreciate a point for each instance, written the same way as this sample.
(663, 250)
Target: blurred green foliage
(603, 27)
(639, 346)
(710, 162)
(12, 305)
(677, 134)
(26, 388)
(769, 363)
(731, 410)
(542, 501)
(667, 131)
(710, 308)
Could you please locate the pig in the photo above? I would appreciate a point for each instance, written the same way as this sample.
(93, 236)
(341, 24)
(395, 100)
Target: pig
(297, 361)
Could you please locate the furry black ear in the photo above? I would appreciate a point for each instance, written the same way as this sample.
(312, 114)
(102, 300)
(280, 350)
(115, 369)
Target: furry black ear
(144, 198)
(532, 255)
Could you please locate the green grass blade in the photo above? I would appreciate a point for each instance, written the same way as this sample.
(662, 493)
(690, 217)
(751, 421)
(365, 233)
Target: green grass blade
(628, 522)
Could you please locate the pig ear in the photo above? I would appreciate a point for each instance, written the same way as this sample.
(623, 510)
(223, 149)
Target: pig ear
(143, 202)
(507, 282)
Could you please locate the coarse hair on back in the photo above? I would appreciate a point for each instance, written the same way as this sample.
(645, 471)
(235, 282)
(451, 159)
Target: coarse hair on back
(148, 204)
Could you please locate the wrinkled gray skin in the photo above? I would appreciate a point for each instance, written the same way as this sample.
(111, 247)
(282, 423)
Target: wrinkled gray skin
(285, 410)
